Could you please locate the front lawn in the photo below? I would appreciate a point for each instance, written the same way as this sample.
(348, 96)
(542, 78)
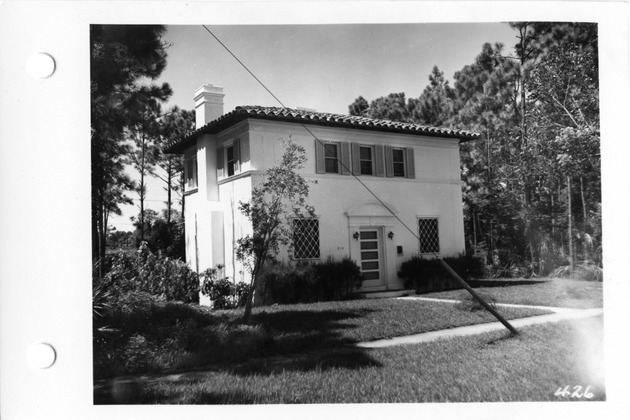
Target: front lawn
(563, 293)
(154, 336)
(532, 366)
(371, 319)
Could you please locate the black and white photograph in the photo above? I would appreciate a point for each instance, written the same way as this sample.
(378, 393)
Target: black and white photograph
(330, 212)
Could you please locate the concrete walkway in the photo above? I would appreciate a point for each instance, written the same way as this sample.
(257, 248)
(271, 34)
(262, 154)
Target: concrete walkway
(559, 314)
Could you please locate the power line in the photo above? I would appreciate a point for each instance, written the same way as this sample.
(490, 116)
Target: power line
(442, 262)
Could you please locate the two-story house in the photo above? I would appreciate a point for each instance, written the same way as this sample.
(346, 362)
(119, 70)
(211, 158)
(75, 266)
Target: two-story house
(414, 170)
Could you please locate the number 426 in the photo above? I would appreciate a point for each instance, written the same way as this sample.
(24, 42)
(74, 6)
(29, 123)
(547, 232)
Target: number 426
(577, 392)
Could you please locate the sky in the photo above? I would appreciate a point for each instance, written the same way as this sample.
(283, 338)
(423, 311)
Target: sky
(321, 67)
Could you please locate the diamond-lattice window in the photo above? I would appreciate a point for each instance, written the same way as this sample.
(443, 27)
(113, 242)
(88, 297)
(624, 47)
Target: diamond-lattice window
(429, 235)
(305, 239)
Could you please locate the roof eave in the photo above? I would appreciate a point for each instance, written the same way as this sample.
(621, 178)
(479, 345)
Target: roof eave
(239, 114)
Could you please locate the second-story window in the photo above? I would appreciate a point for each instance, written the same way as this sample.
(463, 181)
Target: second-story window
(366, 160)
(229, 158)
(191, 173)
(331, 158)
(229, 151)
(399, 162)
(398, 156)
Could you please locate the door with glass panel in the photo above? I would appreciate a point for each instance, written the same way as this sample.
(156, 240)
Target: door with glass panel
(371, 258)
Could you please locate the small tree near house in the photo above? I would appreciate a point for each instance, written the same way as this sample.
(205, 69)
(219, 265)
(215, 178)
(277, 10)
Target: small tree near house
(280, 196)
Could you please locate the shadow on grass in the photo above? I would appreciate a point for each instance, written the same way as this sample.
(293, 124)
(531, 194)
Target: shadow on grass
(306, 340)
(144, 394)
(302, 331)
(299, 340)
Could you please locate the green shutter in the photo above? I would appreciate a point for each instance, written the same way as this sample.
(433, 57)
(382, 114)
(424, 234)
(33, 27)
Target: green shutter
(389, 161)
(219, 162)
(345, 158)
(379, 160)
(320, 164)
(411, 167)
(356, 163)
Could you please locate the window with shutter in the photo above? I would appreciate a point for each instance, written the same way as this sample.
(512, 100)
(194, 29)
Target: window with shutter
(366, 160)
(331, 158)
(232, 158)
(229, 151)
(398, 162)
(191, 172)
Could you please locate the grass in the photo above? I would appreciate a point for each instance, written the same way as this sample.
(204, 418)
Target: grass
(305, 353)
(556, 292)
(489, 367)
(365, 320)
(159, 336)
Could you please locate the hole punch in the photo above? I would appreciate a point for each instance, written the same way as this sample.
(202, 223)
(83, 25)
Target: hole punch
(41, 65)
(41, 355)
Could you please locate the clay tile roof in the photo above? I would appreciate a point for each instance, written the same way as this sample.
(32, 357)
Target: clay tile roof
(241, 113)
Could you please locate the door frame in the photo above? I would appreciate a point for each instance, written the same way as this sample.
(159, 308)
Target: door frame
(382, 256)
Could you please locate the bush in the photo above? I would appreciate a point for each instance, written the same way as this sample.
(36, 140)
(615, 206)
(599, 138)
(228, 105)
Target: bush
(149, 334)
(286, 283)
(223, 293)
(170, 279)
(305, 283)
(585, 270)
(429, 274)
(336, 280)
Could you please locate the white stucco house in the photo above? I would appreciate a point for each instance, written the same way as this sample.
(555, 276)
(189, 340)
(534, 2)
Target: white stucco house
(413, 169)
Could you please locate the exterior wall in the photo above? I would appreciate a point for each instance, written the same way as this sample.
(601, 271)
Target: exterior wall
(343, 206)
(203, 212)
(235, 224)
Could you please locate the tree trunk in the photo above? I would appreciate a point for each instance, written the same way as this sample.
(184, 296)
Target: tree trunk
(553, 217)
(182, 186)
(96, 238)
(583, 200)
(570, 227)
(142, 190)
(102, 237)
(474, 223)
(168, 190)
(250, 296)
(584, 243)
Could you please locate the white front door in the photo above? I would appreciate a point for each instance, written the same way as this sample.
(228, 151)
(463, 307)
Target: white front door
(371, 258)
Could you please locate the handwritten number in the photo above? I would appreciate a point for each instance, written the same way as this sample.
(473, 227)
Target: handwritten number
(587, 393)
(577, 392)
(563, 392)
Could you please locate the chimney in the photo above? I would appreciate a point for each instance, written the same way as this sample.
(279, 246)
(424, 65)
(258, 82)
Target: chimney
(208, 104)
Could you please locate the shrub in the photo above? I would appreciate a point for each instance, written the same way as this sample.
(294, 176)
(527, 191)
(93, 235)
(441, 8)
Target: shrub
(429, 274)
(304, 283)
(286, 283)
(336, 280)
(585, 270)
(152, 273)
(149, 334)
(223, 293)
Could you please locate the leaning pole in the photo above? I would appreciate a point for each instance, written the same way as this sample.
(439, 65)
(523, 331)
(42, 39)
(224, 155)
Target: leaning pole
(476, 296)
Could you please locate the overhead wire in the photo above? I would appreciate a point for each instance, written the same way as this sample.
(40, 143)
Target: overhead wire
(317, 138)
(413, 233)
